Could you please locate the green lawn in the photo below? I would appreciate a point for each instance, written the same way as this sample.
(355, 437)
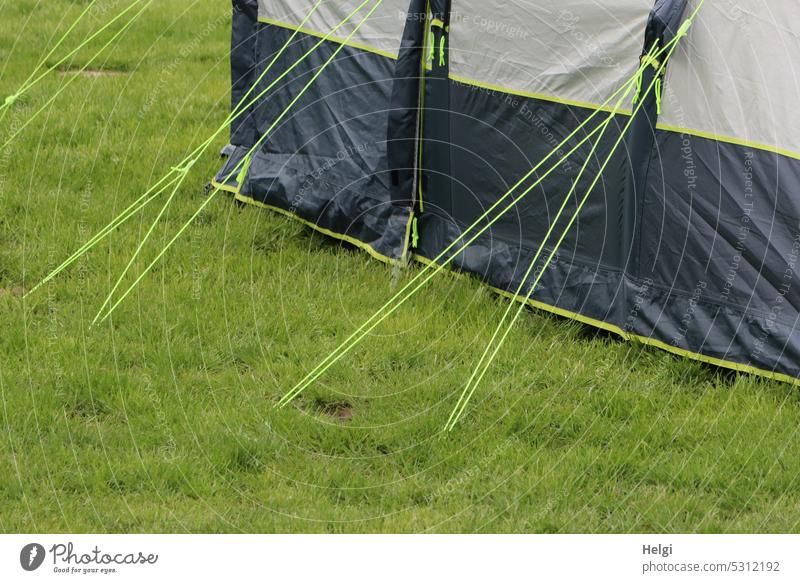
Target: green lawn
(163, 419)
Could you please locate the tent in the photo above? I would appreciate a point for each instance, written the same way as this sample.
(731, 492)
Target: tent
(436, 108)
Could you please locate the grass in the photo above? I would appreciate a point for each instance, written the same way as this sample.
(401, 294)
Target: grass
(162, 419)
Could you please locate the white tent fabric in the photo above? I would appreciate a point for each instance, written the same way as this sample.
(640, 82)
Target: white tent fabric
(382, 32)
(569, 50)
(736, 76)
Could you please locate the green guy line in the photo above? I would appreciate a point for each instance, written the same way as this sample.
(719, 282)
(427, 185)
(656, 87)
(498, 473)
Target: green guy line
(242, 163)
(466, 395)
(354, 338)
(255, 147)
(184, 170)
(103, 233)
(372, 323)
(458, 412)
(78, 73)
(27, 84)
(146, 199)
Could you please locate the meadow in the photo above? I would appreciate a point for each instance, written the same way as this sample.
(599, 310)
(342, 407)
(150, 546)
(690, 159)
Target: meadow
(163, 418)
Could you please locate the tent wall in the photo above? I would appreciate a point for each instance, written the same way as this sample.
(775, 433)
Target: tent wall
(521, 81)
(689, 242)
(495, 139)
(657, 254)
(717, 254)
(326, 162)
(718, 234)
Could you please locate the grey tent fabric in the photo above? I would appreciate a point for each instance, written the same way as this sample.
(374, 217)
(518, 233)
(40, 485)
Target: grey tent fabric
(243, 68)
(691, 240)
(326, 163)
